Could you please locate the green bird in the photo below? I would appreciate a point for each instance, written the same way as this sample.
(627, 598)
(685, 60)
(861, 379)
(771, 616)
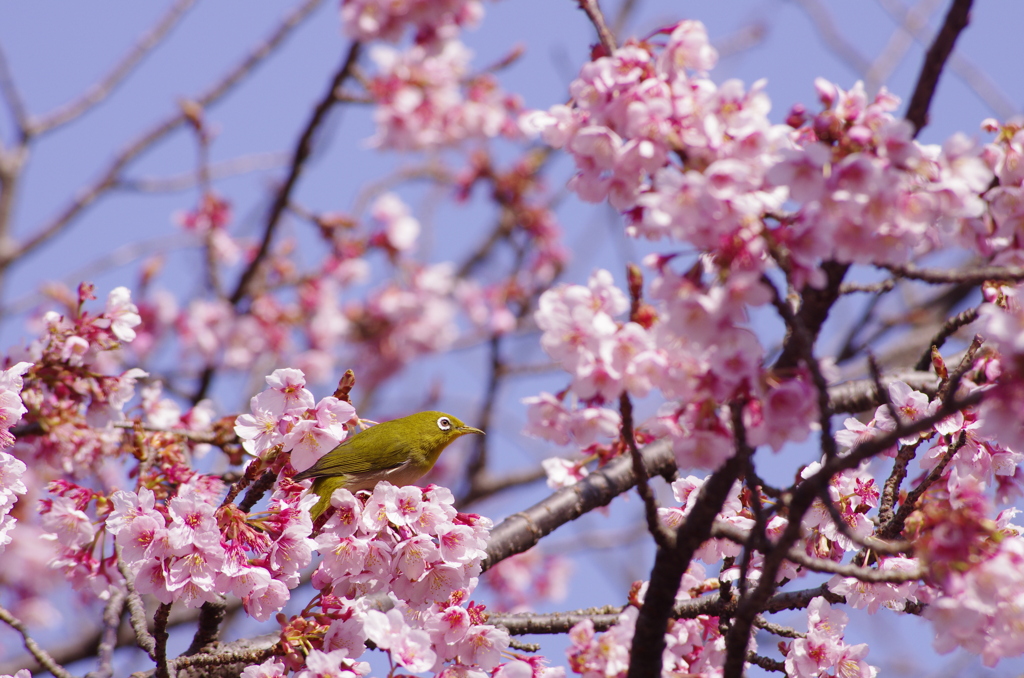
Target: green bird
(400, 451)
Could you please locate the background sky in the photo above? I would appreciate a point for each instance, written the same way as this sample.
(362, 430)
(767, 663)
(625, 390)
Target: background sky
(56, 51)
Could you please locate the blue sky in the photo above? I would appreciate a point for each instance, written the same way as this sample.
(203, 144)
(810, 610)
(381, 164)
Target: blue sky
(57, 50)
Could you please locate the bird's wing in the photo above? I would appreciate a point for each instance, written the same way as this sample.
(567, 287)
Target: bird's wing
(384, 452)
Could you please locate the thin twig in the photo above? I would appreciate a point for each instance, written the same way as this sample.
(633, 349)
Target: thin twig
(41, 655)
(972, 76)
(949, 328)
(136, 610)
(802, 343)
(302, 152)
(108, 638)
(102, 89)
(661, 534)
(255, 162)
(722, 530)
(110, 176)
(777, 629)
(12, 96)
(593, 12)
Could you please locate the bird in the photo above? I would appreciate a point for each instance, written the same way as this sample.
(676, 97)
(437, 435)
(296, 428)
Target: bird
(400, 451)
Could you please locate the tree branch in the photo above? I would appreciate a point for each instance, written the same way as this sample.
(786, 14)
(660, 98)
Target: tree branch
(935, 60)
(101, 90)
(523, 530)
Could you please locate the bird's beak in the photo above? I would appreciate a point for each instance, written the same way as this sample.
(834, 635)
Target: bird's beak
(463, 430)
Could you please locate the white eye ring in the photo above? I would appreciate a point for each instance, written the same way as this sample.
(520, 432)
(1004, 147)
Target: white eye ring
(444, 423)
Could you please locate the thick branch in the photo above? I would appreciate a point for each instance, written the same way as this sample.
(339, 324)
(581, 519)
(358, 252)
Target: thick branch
(669, 566)
(523, 530)
(934, 62)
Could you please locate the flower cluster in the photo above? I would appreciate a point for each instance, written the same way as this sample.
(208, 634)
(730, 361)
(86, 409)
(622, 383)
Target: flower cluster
(412, 545)
(431, 19)
(285, 414)
(426, 98)
(11, 468)
(209, 222)
(66, 390)
(824, 650)
(692, 347)
(699, 162)
(975, 562)
(853, 493)
(997, 233)
(191, 549)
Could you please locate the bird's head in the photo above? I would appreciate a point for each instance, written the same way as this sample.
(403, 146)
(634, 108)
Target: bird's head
(437, 429)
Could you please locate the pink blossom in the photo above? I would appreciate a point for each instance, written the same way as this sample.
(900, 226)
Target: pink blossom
(308, 442)
(401, 229)
(460, 544)
(563, 472)
(483, 645)
(590, 424)
(408, 647)
(69, 525)
(287, 391)
(413, 557)
(262, 601)
(547, 418)
(326, 665)
(271, 668)
(121, 314)
(74, 351)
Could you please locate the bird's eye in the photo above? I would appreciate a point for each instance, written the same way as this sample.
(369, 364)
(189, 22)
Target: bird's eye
(444, 423)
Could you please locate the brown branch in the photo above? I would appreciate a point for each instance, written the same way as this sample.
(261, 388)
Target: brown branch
(971, 276)
(658, 530)
(593, 12)
(894, 526)
(886, 285)
(101, 90)
(801, 498)
(12, 96)
(777, 629)
(136, 610)
(548, 623)
(949, 327)
(211, 615)
(721, 530)
(478, 461)
(669, 566)
(108, 637)
(812, 313)
(801, 344)
(300, 155)
(523, 530)
(160, 635)
(935, 61)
